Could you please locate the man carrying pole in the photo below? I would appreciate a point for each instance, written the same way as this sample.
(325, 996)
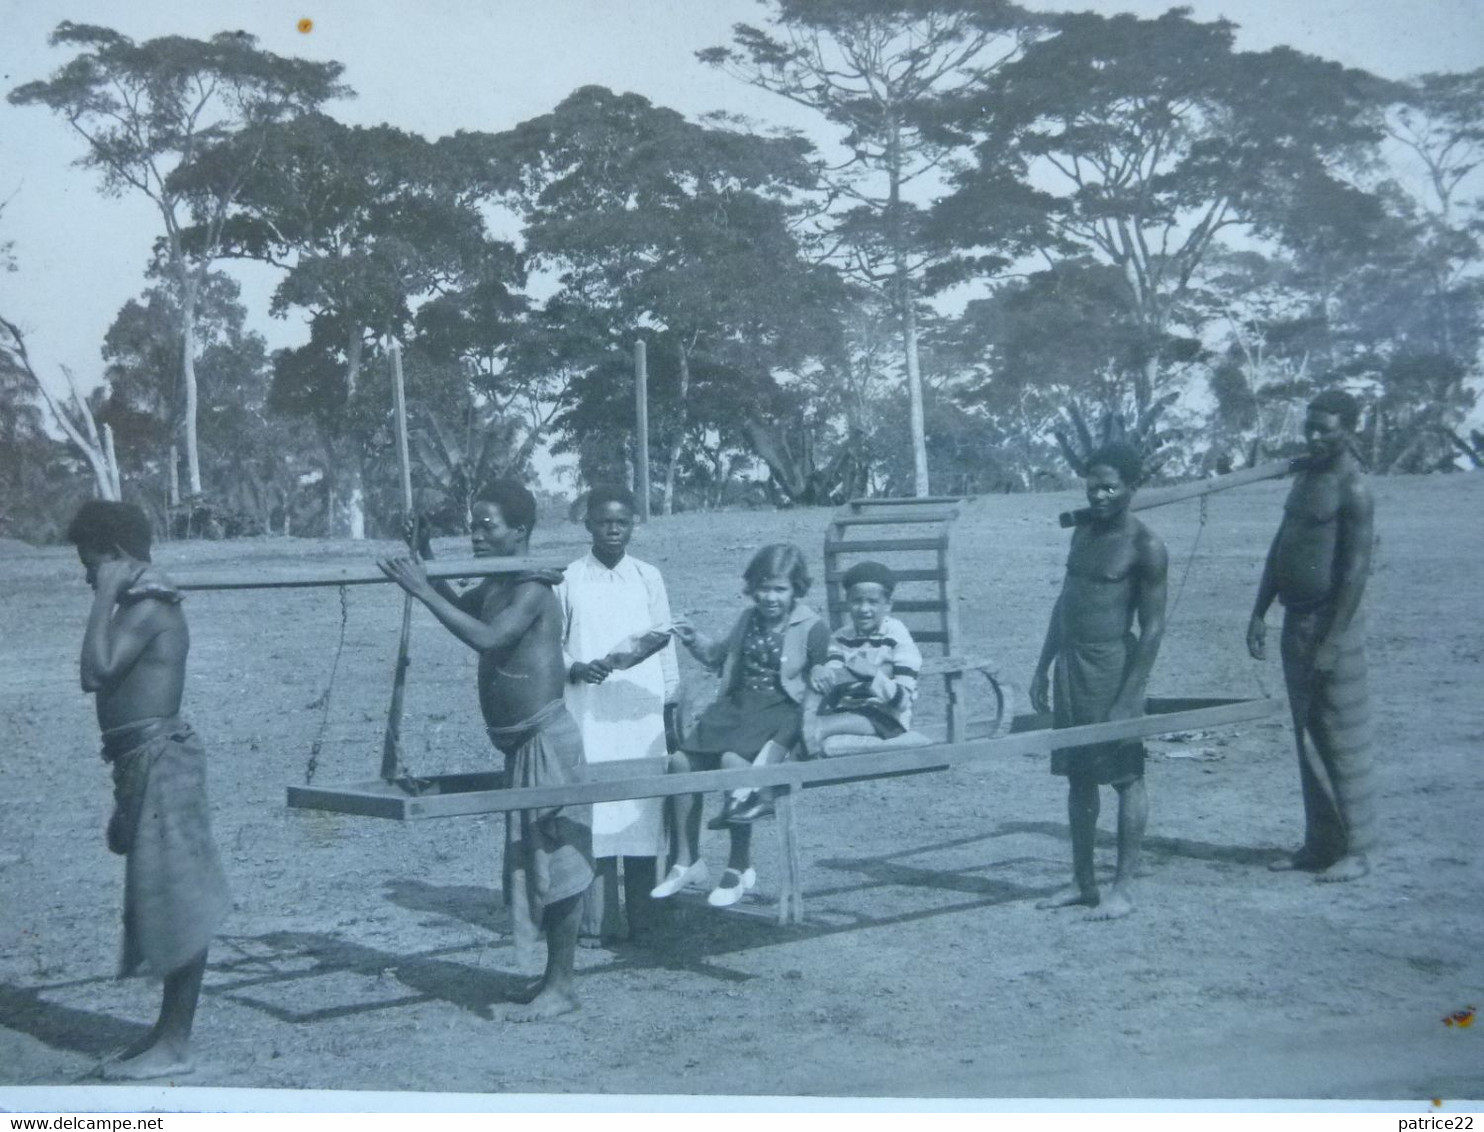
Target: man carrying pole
(1116, 575)
(133, 662)
(514, 623)
(1317, 567)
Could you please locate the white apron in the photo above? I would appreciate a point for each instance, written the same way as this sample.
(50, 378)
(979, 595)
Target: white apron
(623, 717)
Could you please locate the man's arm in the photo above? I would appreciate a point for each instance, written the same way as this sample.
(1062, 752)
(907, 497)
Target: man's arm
(1357, 525)
(500, 632)
(1267, 590)
(111, 646)
(1151, 570)
(1041, 681)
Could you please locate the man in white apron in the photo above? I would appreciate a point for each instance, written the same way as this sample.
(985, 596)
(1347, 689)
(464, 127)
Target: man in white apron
(616, 610)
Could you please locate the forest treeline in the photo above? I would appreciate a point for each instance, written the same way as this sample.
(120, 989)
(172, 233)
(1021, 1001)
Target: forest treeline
(1010, 234)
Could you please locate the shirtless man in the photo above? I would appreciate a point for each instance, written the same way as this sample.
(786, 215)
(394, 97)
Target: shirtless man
(1115, 574)
(133, 661)
(1317, 568)
(514, 622)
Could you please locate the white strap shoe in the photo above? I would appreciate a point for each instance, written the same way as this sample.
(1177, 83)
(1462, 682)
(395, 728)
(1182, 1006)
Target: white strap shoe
(695, 873)
(724, 895)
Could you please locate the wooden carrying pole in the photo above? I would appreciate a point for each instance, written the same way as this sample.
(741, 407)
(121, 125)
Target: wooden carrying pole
(391, 746)
(289, 575)
(641, 413)
(1158, 498)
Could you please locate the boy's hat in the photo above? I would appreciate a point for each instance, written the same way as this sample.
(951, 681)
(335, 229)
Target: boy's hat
(869, 572)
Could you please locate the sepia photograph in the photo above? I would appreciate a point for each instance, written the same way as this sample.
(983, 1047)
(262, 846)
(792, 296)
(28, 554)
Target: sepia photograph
(748, 555)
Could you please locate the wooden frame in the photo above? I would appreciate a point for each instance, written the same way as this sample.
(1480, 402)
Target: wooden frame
(457, 795)
(930, 520)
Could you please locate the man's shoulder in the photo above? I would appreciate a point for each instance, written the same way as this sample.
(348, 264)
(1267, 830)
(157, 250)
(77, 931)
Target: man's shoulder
(1146, 539)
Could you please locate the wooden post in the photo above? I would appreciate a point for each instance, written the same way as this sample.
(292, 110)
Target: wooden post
(641, 412)
(791, 897)
(391, 746)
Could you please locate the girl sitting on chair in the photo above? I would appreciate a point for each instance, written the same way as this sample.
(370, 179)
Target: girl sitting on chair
(756, 718)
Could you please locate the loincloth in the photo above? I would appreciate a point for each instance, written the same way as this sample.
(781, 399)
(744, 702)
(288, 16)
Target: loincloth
(548, 852)
(1086, 680)
(175, 894)
(1332, 728)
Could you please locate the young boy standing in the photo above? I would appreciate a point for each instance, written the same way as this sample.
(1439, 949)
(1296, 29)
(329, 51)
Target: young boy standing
(133, 662)
(868, 683)
(609, 597)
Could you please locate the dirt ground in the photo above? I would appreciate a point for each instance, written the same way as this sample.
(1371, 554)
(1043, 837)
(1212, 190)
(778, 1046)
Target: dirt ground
(364, 954)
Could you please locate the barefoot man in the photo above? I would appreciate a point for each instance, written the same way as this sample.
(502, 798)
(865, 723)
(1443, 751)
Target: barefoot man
(1317, 568)
(1115, 575)
(514, 622)
(133, 661)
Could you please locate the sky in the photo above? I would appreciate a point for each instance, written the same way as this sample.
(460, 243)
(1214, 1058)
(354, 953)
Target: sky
(445, 65)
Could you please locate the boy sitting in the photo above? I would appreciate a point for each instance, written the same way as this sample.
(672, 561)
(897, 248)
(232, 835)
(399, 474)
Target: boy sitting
(867, 684)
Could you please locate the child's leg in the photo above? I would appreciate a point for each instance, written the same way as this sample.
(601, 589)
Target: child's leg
(169, 1053)
(740, 857)
(686, 809)
(557, 993)
(839, 723)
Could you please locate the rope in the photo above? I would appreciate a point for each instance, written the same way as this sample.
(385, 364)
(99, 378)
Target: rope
(323, 703)
(1189, 562)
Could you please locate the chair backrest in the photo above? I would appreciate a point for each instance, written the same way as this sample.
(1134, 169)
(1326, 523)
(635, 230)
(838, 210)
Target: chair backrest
(912, 537)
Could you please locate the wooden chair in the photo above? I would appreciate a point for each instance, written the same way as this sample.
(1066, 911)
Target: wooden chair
(914, 538)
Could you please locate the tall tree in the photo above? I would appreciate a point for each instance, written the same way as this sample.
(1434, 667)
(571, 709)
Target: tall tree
(679, 231)
(141, 352)
(1144, 142)
(30, 472)
(877, 69)
(248, 458)
(364, 222)
(147, 111)
(1436, 119)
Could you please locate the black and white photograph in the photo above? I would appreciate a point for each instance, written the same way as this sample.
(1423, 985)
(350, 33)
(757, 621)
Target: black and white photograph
(751, 555)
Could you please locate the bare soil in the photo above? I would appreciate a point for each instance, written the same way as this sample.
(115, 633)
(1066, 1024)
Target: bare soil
(371, 955)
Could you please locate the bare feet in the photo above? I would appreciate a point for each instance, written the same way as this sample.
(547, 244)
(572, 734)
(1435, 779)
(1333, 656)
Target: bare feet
(135, 1048)
(1349, 867)
(156, 1061)
(1118, 905)
(1069, 897)
(549, 1002)
(1302, 861)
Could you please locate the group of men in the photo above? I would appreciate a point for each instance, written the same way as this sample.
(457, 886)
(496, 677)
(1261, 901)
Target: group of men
(562, 682)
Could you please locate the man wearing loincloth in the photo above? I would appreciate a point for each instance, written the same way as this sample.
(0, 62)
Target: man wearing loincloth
(133, 661)
(1115, 576)
(514, 622)
(1317, 567)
